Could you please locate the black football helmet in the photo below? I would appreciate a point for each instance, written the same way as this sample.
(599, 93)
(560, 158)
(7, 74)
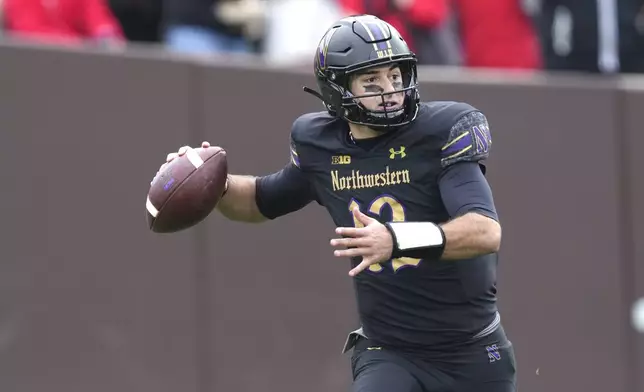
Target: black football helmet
(353, 45)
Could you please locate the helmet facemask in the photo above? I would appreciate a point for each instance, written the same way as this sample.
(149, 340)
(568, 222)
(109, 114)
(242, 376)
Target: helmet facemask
(386, 116)
(349, 106)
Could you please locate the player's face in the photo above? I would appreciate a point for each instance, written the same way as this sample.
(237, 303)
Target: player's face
(382, 80)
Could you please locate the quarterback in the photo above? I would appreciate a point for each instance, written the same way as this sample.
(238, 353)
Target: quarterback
(404, 181)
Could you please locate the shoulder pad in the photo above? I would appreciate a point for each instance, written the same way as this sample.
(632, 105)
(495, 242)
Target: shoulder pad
(469, 139)
(304, 131)
(437, 117)
(307, 127)
(448, 111)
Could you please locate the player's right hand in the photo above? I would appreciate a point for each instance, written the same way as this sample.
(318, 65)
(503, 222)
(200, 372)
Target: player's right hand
(174, 155)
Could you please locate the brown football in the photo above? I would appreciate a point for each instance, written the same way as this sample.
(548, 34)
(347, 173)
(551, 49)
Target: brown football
(187, 190)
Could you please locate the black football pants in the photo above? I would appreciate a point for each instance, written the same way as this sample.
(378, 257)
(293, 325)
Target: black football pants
(487, 365)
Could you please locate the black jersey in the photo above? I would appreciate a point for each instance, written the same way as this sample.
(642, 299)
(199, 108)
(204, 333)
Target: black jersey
(410, 304)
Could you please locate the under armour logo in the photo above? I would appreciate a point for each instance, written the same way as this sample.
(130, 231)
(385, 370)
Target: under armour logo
(493, 353)
(393, 152)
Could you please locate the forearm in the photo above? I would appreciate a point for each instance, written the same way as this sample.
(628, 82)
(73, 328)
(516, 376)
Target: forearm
(464, 237)
(469, 236)
(239, 203)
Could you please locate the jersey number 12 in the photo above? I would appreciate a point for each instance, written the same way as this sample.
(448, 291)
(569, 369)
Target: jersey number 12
(397, 215)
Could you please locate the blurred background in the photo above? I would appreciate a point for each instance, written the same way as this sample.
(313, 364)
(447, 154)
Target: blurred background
(599, 36)
(95, 93)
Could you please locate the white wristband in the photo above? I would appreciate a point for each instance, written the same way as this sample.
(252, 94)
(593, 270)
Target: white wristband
(413, 235)
(417, 239)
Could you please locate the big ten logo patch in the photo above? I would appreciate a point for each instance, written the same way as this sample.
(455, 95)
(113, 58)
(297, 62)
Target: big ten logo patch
(340, 160)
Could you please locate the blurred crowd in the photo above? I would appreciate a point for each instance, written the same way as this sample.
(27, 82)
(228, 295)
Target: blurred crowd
(600, 36)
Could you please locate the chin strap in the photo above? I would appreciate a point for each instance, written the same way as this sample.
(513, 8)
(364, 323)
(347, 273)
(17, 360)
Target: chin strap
(313, 92)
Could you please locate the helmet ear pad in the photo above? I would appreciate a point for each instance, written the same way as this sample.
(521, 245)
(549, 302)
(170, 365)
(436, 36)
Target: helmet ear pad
(333, 96)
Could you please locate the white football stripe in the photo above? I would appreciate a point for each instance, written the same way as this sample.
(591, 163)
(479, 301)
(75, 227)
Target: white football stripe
(151, 208)
(194, 158)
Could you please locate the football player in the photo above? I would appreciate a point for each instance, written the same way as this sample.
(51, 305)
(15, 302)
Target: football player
(404, 182)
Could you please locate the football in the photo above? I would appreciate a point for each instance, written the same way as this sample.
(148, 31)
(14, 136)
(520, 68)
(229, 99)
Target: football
(187, 190)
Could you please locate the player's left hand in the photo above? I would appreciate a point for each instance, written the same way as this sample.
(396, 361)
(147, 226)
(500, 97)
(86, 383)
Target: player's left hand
(373, 242)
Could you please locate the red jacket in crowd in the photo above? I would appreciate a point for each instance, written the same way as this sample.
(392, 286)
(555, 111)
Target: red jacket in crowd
(419, 14)
(61, 21)
(497, 34)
